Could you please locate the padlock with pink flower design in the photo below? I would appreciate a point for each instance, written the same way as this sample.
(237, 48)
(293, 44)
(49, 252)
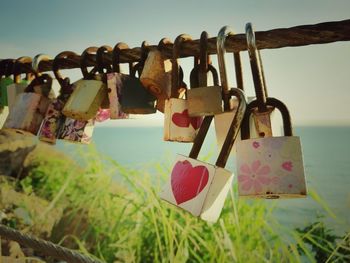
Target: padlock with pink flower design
(270, 167)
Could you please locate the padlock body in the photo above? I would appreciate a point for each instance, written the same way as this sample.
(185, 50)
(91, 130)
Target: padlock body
(114, 96)
(222, 122)
(85, 99)
(28, 112)
(51, 122)
(178, 125)
(135, 99)
(13, 90)
(77, 131)
(197, 187)
(204, 101)
(156, 75)
(270, 168)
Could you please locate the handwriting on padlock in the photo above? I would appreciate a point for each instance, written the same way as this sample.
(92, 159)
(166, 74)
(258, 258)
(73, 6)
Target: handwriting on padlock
(188, 181)
(184, 120)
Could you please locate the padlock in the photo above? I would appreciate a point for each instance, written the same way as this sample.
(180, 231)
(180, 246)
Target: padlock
(54, 118)
(114, 90)
(270, 167)
(77, 131)
(198, 187)
(30, 107)
(178, 125)
(204, 100)
(88, 93)
(223, 120)
(19, 84)
(156, 74)
(5, 80)
(135, 98)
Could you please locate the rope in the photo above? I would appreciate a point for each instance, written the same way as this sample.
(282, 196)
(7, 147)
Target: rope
(322, 33)
(47, 248)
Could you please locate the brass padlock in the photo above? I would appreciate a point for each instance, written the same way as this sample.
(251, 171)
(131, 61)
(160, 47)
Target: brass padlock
(204, 100)
(88, 93)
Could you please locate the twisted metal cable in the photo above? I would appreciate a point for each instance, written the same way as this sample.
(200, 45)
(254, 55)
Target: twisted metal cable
(303, 35)
(45, 247)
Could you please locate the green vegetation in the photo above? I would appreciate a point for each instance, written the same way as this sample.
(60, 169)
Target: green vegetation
(123, 220)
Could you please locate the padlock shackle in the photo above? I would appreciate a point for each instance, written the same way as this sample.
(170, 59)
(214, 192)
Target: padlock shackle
(101, 60)
(59, 61)
(194, 76)
(36, 62)
(287, 124)
(256, 68)
(116, 55)
(176, 79)
(139, 66)
(39, 80)
(203, 59)
(221, 50)
(198, 75)
(18, 65)
(88, 52)
(231, 134)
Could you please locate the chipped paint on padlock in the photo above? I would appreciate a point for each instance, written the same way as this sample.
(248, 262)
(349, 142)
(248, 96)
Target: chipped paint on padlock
(270, 167)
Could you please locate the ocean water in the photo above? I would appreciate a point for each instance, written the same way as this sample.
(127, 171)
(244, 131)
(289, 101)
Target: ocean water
(326, 153)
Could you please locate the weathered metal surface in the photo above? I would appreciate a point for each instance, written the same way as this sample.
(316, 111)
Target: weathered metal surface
(303, 35)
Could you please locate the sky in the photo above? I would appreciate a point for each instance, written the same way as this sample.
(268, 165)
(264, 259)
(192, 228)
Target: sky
(313, 81)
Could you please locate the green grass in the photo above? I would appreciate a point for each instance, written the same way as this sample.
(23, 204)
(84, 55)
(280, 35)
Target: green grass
(125, 221)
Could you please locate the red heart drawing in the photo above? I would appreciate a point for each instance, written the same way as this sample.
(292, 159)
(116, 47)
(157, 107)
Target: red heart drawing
(287, 166)
(187, 181)
(181, 119)
(196, 122)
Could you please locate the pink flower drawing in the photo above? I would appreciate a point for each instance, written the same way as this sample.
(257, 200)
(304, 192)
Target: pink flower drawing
(253, 176)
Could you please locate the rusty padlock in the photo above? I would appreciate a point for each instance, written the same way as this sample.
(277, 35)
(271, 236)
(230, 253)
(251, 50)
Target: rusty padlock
(178, 125)
(156, 74)
(204, 100)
